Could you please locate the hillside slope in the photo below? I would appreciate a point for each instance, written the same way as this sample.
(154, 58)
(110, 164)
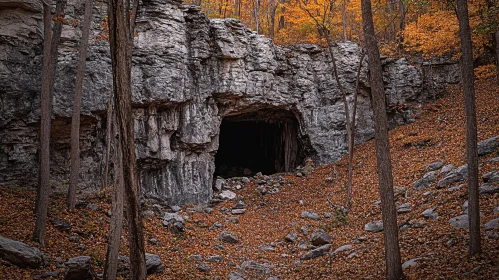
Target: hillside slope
(263, 252)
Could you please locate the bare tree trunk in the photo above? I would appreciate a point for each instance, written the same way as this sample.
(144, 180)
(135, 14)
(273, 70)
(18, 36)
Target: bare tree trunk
(109, 131)
(116, 223)
(496, 35)
(272, 19)
(120, 38)
(471, 130)
(50, 51)
(401, 23)
(385, 179)
(351, 140)
(75, 121)
(257, 15)
(344, 19)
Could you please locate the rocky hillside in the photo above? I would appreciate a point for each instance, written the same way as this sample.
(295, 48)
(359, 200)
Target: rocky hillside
(190, 74)
(284, 226)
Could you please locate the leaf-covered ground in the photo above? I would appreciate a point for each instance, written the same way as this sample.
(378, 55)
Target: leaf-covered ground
(438, 135)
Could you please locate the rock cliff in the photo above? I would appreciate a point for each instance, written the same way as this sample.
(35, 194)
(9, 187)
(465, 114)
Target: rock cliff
(190, 76)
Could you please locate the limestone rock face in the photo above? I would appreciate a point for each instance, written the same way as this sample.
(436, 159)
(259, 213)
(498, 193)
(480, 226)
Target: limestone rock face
(189, 73)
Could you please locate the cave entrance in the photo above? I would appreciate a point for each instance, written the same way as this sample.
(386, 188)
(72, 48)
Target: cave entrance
(266, 141)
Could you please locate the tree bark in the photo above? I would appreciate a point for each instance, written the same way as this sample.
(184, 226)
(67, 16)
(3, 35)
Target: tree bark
(471, 130)
(496, 35)
(401, 23)
(120, 38)
(257, 14)
(50, 50)
(385, 179)
(109, 131)
(116, 223)
(75, 120)
(344, 19)
(272, 18)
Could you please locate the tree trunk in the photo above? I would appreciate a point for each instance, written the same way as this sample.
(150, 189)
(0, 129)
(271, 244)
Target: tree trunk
(351, 140)
(471, 130)
(109, 131)
(496, 35)
(75, 121)
(344, 19)
(257, 15)
(116, 223)
(385, 179)
(401, 23)
(272, 19)
(50, 51)
(120, 38)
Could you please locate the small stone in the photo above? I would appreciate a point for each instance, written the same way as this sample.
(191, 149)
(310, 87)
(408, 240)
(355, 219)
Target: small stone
(74, 238)
(411, 263)
(267, 249)
(425, 182)
(457, 187)
(262, 190)
(93, 207)
(238, 211)
(235, 276)
(81, 246)
(196, 257)
(320, 237)
(51, 274)
(218, 185)
(493, 234)
(240, 205)
(147, 213)
(203, 267)
(435, 165)
(214, 258)
(176, 208)
(451, 242)
(445, 170)
(260, 182)
(153, 241)
(493, 224)
(61, 225)
(315, 253)
(342, 249)
(459, 222)
(79, 268)
(234, 220)
(245, 180)
(217, 225)
(430, 214)
(310, 215)
(404, 208)
(487, 189)
(304, 230)
(153, 264)
(496, 159)
(376, 226)
(208, 210)
(496, 210)
(228, 238)
(227, 195)
(488, 146)
(291, 237)
(491, 177)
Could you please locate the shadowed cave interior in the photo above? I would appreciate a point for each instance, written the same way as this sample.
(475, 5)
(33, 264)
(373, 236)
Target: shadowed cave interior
(266, 141)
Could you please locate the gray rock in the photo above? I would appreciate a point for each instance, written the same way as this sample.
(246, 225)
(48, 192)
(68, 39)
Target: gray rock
(238, 211)
(425, 182)
(240, 205)
(492, 234)
(203, 267)
(291, 237)
(227, 195)
(315, 253)
(19, 253)
(435, 165)
(214, 258)
(465, 207)
(235, 276)
(456, 175)
(376, 226)
(79, 268)
(176, 208)
(320, 237)
(342, 249)
(219, 183)
(174, 222)
(208, 210)
(488, 146)
(411, 263)
(495, 210)
(93, 207)
(217, 224)
(51, 274)
(496, 159)
(196, 257)
(147, 213)
(430, 214)
(493, 224)
(245, 180)
(153, 264)
(488, 189)
(61, 225)
(259, 268)
(310, 215)
(459, 222)
(445, 170)
(491, 177)
(457, 187)
(228, 238)
(404, 208)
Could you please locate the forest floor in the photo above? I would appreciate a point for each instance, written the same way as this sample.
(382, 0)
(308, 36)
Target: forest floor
(439, 135)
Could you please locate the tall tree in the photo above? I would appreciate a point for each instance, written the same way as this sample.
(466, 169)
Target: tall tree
(471, 130)
(75, 120)
(116, 223)
(51, 38)
(121, 30)
(385, 179)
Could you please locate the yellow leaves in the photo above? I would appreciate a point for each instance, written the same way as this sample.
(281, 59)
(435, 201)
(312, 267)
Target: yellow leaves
(485, 71)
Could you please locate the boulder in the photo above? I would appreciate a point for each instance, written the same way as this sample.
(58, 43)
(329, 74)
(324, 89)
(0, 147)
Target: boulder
(19, 253)
(425, 182)
(174, 222)
(342, 249)
(404, 208)
(376, 226)
(228, 238)
(445, 170)
(488, 146)
(491, 177)
(488, 189)
(430, 214)
(435, 165)
(493, 224)
(459, 222)
(315, 253)
(153, 264)
(320, 237)
(79, 268)
(227, 195)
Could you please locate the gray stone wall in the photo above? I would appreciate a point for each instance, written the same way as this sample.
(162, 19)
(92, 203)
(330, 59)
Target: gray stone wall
(189, 73)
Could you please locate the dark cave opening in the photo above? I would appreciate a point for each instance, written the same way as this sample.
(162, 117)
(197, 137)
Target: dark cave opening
(266, 141)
